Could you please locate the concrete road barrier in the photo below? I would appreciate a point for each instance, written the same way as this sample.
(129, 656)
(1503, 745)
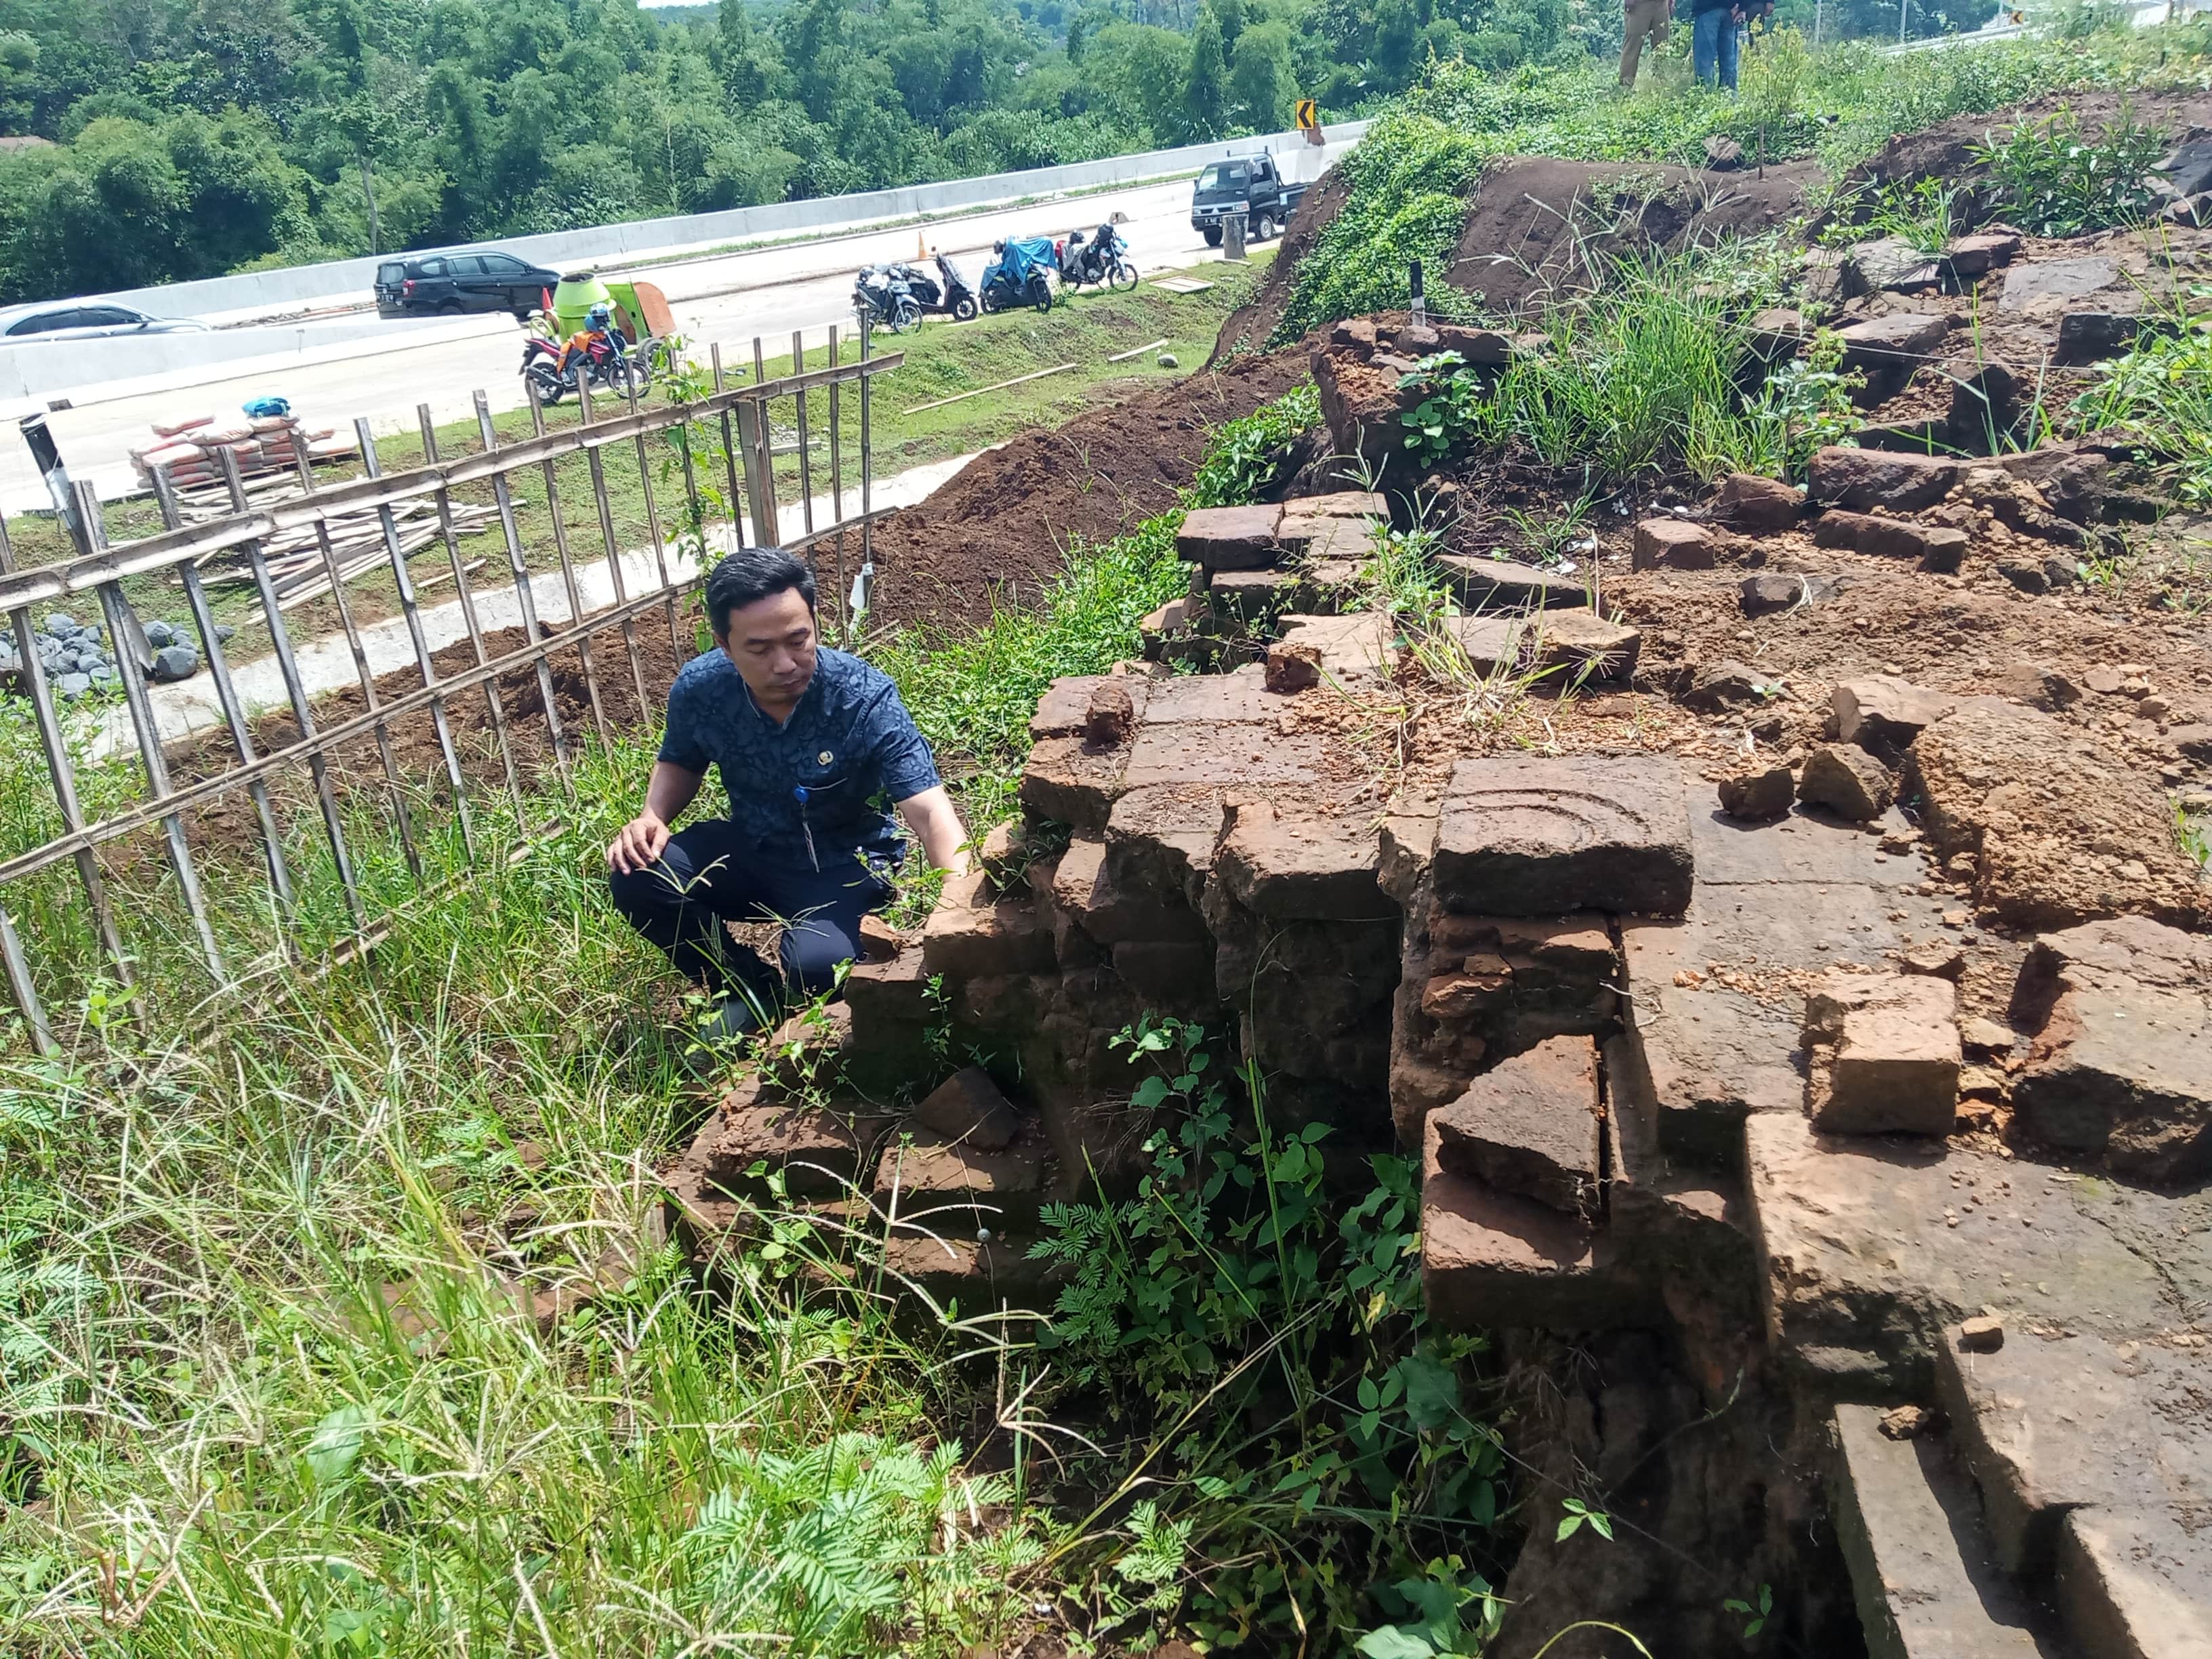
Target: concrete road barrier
(336, 281)
(35, 372)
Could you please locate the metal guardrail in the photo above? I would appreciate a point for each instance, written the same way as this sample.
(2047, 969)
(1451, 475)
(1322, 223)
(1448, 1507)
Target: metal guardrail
(731, 427)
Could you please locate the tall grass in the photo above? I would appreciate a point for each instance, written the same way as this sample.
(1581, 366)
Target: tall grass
(272, 1380)
(294, 1356)
(972, 691)
(1648, 371)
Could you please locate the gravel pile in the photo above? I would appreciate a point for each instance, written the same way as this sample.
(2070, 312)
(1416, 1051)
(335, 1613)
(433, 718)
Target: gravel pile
(79, 660)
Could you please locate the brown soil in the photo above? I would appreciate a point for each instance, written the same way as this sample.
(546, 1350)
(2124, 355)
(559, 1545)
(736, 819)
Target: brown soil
(997, 532)
(1538, 227)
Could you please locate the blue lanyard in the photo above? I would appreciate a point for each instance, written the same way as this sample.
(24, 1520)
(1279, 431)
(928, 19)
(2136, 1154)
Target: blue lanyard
(800, 794)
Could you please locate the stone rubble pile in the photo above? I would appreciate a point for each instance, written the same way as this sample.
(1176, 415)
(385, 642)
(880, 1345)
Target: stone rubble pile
(1712, 1101)
(78, 661)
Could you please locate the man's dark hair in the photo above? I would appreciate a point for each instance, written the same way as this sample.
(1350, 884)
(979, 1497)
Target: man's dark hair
(750, 575)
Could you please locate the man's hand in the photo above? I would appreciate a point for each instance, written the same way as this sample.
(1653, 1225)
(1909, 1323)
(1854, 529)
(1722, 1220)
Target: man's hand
(639, 846)
(937, 827)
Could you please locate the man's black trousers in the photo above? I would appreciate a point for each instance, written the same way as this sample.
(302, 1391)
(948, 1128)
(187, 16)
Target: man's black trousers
(708, 873)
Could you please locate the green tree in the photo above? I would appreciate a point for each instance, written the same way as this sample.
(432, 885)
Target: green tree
(1262, 81)
(1206, 82)
(1231, 15)
(1397, 38)
(814, 46)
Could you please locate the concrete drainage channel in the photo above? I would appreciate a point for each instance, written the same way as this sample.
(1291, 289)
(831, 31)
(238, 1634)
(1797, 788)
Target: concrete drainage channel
(192, 707)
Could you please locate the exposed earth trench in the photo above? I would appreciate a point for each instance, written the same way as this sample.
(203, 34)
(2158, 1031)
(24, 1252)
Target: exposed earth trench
(1802, 1026)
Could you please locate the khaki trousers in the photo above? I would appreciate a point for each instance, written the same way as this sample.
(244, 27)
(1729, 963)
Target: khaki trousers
(1644, 17)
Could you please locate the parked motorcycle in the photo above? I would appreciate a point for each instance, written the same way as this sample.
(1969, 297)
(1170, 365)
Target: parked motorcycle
(1020, 274)
(591, 357)
(882, 296)
(955, 296)
(1103, 258)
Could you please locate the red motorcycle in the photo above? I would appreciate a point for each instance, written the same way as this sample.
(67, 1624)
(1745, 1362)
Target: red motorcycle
(592, 357)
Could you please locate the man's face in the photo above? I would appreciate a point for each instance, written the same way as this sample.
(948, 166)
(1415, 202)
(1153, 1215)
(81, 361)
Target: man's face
(772, 642)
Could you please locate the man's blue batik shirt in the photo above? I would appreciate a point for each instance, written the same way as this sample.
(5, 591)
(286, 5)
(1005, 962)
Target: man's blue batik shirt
(819, 787)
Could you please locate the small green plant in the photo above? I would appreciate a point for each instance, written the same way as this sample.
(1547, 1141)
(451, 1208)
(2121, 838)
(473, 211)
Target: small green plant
(1402, 574)
(837, 1526)
(1774, 82)
(2161, 392)
(1447, 1610)
(2194, 835)
(1448, 416)
(1147, 1578)
(1918, 215)
(1553, 539)
(2054, 179)
(1578, 1512)
(1272, 1337)
(1756, 1614)
(1245, 456)
(1804, 406)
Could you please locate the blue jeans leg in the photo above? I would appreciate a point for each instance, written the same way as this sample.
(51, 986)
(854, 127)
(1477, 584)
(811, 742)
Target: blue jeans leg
(1708, 55)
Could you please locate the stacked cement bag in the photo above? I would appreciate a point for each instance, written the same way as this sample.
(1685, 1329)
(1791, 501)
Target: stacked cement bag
(193, 450)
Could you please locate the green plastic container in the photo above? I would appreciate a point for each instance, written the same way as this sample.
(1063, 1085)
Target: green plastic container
(580, 290)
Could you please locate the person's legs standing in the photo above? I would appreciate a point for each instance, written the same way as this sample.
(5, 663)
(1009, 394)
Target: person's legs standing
(1705, 40)
(1731, 39)
(1645, 18)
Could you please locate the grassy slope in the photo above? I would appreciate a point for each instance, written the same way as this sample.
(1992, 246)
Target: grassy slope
(1410, 175)
(258, 1332)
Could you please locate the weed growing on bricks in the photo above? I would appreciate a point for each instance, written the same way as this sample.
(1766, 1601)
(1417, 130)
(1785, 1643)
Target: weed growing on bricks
(1245, 455)
(1310, 1442)
(2161, 393)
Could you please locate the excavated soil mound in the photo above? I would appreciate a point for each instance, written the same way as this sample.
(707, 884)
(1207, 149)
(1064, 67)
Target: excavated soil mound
(1001, 528)
(1537, 226)
(1946, 150)
(1534, 223)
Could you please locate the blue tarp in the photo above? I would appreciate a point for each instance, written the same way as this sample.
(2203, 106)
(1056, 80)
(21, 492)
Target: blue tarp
(1024, 254)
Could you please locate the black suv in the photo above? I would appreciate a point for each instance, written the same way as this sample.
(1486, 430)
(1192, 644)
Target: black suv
(454, 282)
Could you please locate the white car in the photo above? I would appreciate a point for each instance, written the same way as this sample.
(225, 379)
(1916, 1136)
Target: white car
(86, 319)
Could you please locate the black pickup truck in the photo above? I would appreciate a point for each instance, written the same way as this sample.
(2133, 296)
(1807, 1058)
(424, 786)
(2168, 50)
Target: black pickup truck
(1251, 187)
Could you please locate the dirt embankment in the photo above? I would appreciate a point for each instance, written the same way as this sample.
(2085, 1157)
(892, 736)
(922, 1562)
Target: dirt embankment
(1536, 226)
(1946, 150)
(1000, 529)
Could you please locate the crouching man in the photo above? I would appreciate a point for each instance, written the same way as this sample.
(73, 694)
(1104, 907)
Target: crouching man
(811, 744)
